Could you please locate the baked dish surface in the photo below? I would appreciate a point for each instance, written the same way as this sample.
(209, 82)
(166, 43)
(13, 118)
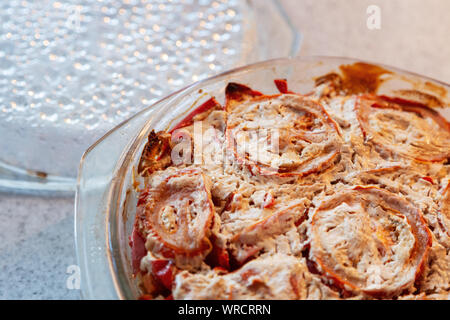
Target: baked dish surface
(338, 193)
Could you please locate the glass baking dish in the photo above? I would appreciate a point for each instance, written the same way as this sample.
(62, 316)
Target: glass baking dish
(105, 198)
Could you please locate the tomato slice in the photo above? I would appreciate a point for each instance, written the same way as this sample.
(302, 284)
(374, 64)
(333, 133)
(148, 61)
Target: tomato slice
(177, 212)
(163, 271)
(369, 239)
(269, 200)
(282, 85)
(138, 250)
(209, 105)
(404, 128)
(308, 140)
(218, 257)
(156, 154)
(276, 223)
(278, 276)
(428, 179)
(235, 93)
(248, 240)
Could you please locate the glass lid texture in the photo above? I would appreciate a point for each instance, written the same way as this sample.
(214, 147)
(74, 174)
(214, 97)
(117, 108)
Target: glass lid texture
(72, 70)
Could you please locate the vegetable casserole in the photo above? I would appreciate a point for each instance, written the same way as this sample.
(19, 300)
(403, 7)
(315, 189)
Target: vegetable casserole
(339, 193)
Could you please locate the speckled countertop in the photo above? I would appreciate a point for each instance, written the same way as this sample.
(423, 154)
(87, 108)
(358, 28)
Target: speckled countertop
(36, 247)
(36, 234)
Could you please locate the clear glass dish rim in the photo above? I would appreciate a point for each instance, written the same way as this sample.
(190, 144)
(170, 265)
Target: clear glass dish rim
(122, 163)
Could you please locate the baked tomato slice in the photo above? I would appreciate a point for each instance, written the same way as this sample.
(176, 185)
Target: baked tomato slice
(236, 93)
(218, 257)
(404, 128)
(282, 85)
(163, 271)
(276, 223)
(279, 276)
(177, 212)
(248, 240)
(283, 135)
(156, 154)
(198, 113)
(367, 239)
(138, 250)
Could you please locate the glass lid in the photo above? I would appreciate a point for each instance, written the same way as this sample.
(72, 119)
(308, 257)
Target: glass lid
(72, 70)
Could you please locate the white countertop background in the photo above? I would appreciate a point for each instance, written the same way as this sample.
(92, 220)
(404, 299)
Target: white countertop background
(36, 234)
(414, 34)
